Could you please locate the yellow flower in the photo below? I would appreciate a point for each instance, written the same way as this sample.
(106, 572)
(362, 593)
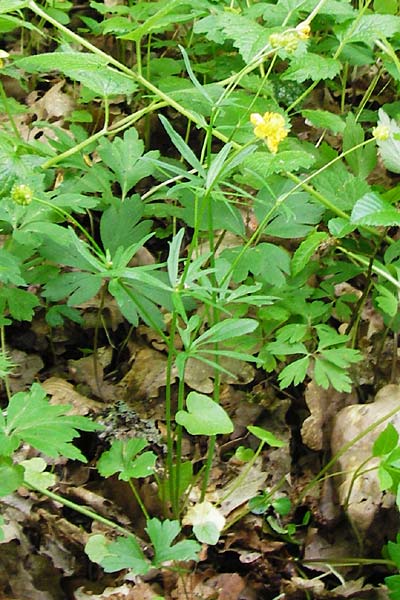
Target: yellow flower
(270, 127)
(381, 133)
(303, 30)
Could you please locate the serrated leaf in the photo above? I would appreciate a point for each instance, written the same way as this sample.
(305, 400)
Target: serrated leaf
(387, 301)
(162, 534)
(228, 25)
(122, 459)
(294, 373)
(324, 119)
(20, 303)
(124, 156)
(386, 441)
(371, 209)
(11, 476)
(123, 553)
(306, 250)
(369, 28)
(89, 69)
(10, 270)
(203, 416)
(30, 418)
(121, 225)
(312, 66)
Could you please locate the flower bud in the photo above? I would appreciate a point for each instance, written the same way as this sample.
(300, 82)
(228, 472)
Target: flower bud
(21, 194)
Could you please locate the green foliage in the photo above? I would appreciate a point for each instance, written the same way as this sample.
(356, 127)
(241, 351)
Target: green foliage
(261, 234)
(122, 458)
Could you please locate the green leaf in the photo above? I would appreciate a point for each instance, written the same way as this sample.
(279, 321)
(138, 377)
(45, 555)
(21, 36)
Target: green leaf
(294, 373)
(324, 120)
(11, 5)
(89, 69)
(120, 224)
(387, 301)
(228, 25)
(121, 459)
(306, 250)
(31, 419)
(363, 160)
(123, 553)
(20, 303)
(386, 441)
(182, 147)
(371, 209)
(35, 473)
(162, 534)
(203, 416)
(328, 373)
(369, 28)
(10, 269)
(124, 156)
(173, 257)
(312, 66)
(266, 436)
(11, 476)
(228, 329)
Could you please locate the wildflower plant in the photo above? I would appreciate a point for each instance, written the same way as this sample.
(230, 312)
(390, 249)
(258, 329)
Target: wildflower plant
(301, 215)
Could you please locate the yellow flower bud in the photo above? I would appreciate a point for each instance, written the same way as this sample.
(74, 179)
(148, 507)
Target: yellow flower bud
(21, 194)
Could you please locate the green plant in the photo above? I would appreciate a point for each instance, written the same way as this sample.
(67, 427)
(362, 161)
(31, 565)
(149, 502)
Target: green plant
(301, 217)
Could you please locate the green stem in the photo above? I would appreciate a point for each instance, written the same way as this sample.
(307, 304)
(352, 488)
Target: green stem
(112, 130)
(139, 500)
(72, 220)
(4, 353)
(80, 509)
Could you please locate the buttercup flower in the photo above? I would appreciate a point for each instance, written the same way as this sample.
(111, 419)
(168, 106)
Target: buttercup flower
(381, 133)
(21, 194)
(270, 127)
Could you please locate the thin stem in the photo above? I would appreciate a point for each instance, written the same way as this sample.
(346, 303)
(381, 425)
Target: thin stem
(78, 508)
(139, 500)
(4, 353)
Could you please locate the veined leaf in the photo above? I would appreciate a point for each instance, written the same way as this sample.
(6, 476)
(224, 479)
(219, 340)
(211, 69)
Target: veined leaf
(312, 66)
(162, 534)
(373, 210)
(31, 419)
(122, 553)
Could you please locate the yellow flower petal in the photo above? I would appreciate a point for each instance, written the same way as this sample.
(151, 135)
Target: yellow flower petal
(269, 127)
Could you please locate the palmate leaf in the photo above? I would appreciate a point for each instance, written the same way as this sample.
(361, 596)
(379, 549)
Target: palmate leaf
(124, 156)
(31, 419)
(162, 534)
(122, 553)
(122, 459)
(225, 25)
